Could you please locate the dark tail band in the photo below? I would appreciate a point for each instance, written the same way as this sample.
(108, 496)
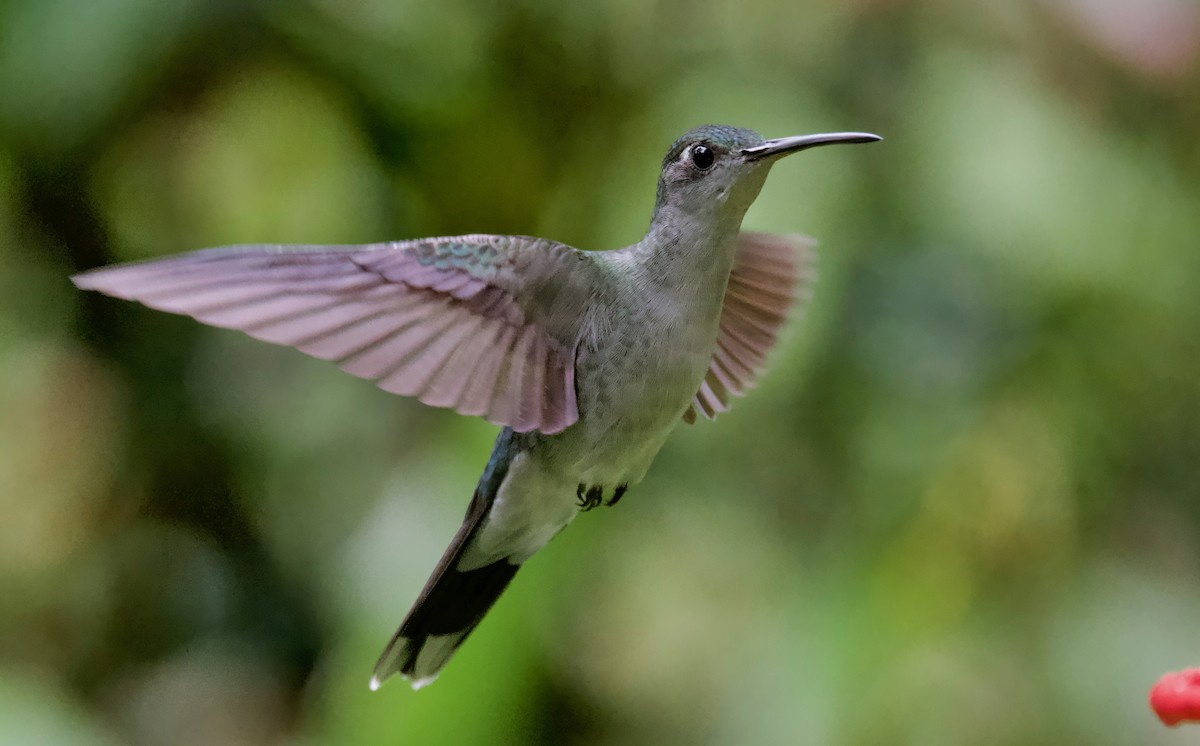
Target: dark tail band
(453, 601)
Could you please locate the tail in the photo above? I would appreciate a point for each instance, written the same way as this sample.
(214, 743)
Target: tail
(453, 601)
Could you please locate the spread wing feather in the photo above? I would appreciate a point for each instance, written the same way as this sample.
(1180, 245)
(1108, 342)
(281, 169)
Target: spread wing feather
(438, 319)
(769, 274)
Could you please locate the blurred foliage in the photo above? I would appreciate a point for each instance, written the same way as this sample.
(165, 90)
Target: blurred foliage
(962, 508)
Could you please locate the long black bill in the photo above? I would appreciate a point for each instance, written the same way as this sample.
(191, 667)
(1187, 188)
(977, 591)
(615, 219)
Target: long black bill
(785, 145)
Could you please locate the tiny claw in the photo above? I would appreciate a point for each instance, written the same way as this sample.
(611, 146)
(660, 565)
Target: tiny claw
(593, 498)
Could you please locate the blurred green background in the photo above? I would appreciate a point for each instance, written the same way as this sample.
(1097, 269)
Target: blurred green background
(963, 507)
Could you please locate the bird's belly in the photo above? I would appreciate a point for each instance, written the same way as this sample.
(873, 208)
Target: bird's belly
(629, 402)
(627, 410)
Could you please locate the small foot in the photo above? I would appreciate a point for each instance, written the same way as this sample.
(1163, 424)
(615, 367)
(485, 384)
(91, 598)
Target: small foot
(618, 493)
(589, 499)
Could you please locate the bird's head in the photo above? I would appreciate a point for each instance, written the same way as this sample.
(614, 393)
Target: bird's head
(717, 171)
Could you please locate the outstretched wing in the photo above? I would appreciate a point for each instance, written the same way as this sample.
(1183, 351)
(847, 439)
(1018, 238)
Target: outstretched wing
(441, 319)
(770, 275)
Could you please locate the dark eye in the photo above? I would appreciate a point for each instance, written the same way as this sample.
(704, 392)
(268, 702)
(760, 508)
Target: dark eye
(703, 157)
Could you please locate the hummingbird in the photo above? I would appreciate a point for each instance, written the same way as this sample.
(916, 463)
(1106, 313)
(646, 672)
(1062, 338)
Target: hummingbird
(587, 360)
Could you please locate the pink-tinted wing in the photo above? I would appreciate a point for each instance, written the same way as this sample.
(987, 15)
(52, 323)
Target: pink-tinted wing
(438, 319)
(770, 275)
